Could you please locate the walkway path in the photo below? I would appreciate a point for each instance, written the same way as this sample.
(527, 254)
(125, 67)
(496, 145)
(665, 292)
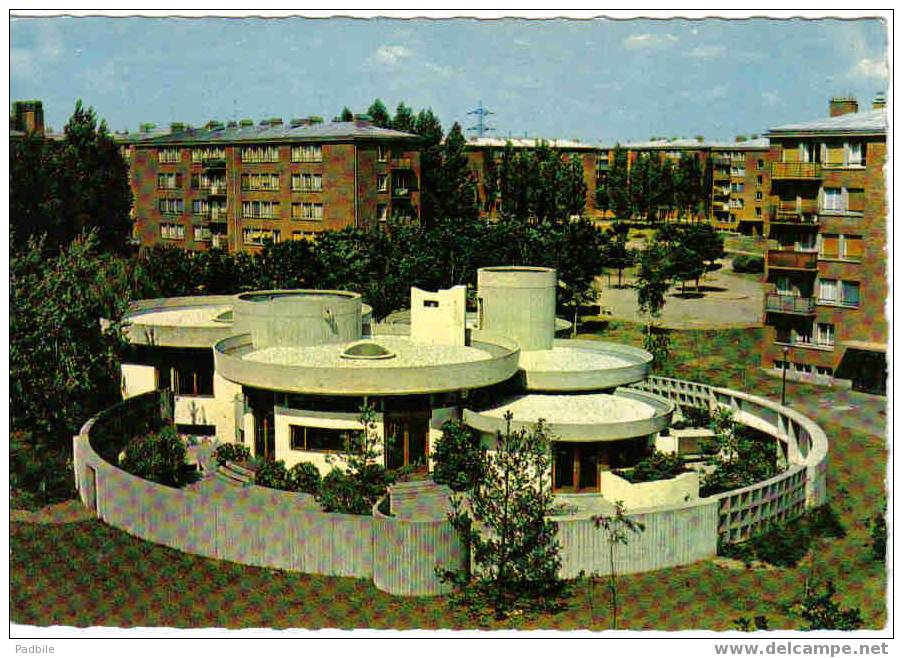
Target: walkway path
(728, 301)
(849, 409)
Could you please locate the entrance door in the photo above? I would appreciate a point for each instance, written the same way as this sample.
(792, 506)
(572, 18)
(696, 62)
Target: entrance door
(406, 435)
(265, 436)
(576, 467)
(563, 467)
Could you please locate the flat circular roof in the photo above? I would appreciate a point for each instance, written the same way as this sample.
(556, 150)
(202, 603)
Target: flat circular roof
(198, 321)
(324, 369)
(583, 365)
(582, 417)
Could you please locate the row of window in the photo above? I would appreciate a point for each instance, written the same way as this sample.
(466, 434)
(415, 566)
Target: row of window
(828, 245)
(829, 154)
(271, 210)
(177, 232)
(271, 182)
(322, 439)
(805, 368)
(818, 334)
(299, 153)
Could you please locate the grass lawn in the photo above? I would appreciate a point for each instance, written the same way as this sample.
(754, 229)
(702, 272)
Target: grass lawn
(86, 573)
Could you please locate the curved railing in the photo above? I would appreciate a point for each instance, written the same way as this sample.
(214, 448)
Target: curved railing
(256, 526)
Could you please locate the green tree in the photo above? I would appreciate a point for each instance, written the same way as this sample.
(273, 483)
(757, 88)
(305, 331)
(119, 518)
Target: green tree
(456, 194)
(617, 255)
(429, 128)
(690, 196)
(653, 280)
(404, 119)
(738, 458)
(347, 115)
(705, 240)
(685, 264)
(514, 544)
(459, 457)
(618, 529)
(617, 185)
(64, 367)
(61, 189)
(379, 115)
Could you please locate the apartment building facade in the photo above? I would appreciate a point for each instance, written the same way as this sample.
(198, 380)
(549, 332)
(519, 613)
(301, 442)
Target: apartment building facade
(238, 185)
(826, 272)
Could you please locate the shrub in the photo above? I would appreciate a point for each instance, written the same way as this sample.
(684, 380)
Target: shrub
(232, 452)
(696, 416)
(157, 457)
(305, 477)
(878, 537)
(39, 475)
(354, 493)
(273, 475)
(751, 264)
(458, 457)
(823, 613)
(657, 466)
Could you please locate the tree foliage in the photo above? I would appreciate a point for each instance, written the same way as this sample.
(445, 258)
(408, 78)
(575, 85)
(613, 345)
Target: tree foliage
(618, 529)
(379, 115)
(738, 456)
(158, 457)
(60, 189)
(505, 522)
(458, 458)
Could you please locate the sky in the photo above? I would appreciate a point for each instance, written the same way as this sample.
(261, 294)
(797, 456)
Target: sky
(596, 81)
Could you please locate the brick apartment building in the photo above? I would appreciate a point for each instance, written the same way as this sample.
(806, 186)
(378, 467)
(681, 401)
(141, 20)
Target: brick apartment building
(826, 273)
(482, 152)
(236, 185)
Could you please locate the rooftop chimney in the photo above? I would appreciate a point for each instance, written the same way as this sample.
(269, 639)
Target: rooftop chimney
(880, 101)
(843, 105)
(29, 116)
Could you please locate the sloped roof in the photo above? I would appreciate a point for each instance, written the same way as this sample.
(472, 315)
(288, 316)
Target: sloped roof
(334, 131)
(528, 142)
(870, 122)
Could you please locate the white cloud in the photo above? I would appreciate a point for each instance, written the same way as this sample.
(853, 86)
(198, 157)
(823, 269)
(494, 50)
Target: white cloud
(869, 68)
(390, 54)
(771, 98)
(706, 52)
(647, 40)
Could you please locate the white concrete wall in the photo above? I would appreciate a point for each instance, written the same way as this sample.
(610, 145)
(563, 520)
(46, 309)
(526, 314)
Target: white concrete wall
(442, 324)
(222, 409)
(640, 495)
(137, 379)
(284, 417)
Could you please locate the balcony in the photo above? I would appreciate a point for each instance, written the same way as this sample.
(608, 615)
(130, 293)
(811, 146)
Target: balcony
(401, 163)
(805, 213)
(217, 215)
(219, 241)
(723, 160)
(216, 189)
(213, 163)
(401, 192)
(778, 303)
(795, 171)
(793, 260)
(722, 174)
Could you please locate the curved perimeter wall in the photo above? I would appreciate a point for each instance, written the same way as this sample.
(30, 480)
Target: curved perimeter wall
(284, 536)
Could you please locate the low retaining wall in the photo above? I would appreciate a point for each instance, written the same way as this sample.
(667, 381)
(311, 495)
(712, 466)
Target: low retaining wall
(678, 490)
(283, 535)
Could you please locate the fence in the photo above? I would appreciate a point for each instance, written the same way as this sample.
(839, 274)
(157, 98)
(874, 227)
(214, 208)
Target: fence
(273, 529)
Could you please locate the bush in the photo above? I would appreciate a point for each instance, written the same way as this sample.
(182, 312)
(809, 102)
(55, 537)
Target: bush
(232, 452)
(273, 475)
(823, 613)
(657, 466)
(458, 457)
(751, 264)
(38, 476)
(305, 477)
(157, 457)
(354, 493)
(878, 537)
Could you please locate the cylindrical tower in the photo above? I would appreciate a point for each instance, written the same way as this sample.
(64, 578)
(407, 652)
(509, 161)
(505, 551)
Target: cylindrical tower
(518, 302)
(292, 318)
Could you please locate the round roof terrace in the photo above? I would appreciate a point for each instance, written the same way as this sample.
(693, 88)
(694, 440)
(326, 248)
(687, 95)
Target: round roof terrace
(583, 365)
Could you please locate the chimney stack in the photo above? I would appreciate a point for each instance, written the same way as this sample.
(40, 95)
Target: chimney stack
(840, 105)
(880, 101)
(29, 116)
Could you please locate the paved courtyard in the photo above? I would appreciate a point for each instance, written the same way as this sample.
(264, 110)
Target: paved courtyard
(727, 301)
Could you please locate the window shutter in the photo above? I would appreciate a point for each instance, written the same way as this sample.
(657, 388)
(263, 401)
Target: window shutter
(852, 246)
(830, 244)
(823, 152)
(821, 198)
(178, 180)
(844, 199)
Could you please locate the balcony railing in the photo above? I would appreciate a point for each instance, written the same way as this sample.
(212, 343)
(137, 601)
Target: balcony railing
(778, 303)
(795, 171)
(216, 189)
(806, 213)
(217, 214)
(721, 160)
(795, 260)
(219, 241)
(213, 163)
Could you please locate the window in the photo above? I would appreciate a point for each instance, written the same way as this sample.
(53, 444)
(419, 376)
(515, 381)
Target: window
(382, 212)
(832, 199)
(304, 235)
(307, 153)
(170, 155)
(760, 164)
(264, 182)
(830, 246)
(758, 211)
(210, 153)
(257, 236)
(307, 182)
(196, 430)
(824, 334)
(205, 182)
(850, 293)
(260, 154)
(382, 182)
(260, 209)
(313, 211)
(382, 153)
(170, 206)
(192, 379)
(855, 152)
(736, 203)
(851, 247)
(855, 200)
(202, 234)
(759, 180)
(320, 439)
(172, 231)
(169, 181)
(827, 291)
(824, 371)
(738, 171)
(126, 153)
(737, 188)
(758, 196)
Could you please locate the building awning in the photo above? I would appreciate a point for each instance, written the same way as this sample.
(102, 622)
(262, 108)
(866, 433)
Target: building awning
(864, 345)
